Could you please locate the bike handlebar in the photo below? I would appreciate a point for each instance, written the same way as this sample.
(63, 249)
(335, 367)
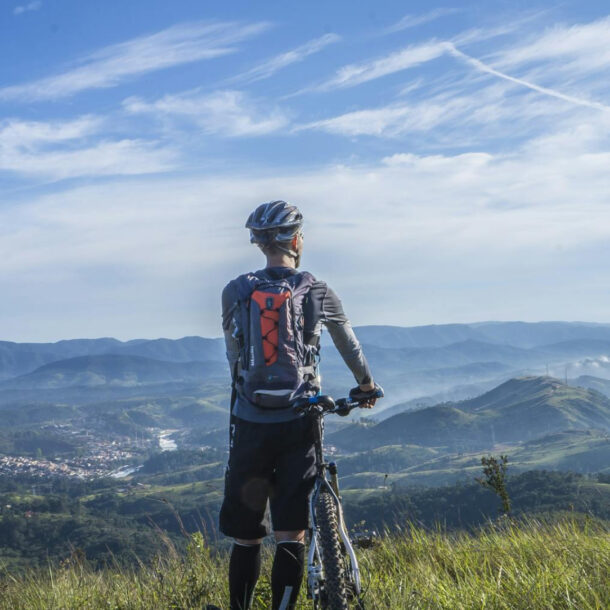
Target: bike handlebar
(325, 404)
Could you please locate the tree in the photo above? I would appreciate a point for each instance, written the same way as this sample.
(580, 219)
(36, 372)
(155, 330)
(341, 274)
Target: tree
(494, 470)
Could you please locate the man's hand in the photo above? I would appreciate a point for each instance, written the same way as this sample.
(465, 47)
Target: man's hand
(360, 394)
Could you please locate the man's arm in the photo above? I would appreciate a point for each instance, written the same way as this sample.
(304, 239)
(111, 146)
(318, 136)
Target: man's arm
(346, 342)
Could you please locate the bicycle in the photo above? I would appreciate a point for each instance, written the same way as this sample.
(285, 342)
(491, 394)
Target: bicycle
(333, 576)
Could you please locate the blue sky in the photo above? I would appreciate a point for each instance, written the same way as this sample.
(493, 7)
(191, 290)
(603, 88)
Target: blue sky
(451, 159)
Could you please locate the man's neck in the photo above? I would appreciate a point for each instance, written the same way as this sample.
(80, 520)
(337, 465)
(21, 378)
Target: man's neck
(281, 261)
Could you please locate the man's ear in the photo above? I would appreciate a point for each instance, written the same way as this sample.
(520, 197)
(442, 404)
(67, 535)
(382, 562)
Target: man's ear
(294, 242)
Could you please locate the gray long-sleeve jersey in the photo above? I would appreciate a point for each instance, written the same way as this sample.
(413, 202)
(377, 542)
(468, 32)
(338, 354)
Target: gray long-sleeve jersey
(322, 306)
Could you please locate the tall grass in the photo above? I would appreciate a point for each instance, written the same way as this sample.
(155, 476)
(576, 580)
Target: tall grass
(528, 565)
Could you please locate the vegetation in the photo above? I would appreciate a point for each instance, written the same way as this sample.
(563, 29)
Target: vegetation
(116, 522)
(466, 506)
(530, 565)
(494, 470)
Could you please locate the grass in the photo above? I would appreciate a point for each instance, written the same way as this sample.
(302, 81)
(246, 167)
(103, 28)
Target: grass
(530, 565)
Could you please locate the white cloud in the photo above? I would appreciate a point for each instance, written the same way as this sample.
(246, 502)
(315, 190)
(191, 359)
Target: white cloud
(411, 21)
(106, 158)
(409, 57)
(450, 117)
(458, 237)
(112, 65)
(15, 133)
(578, 49)
(449, 109)
(386, 121)
(58, 150)
(26, 8)
(479, 65)
(515, 229)
(227, 113)
(273, 65)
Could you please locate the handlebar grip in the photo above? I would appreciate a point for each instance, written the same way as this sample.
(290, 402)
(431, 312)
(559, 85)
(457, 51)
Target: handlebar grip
(327, 402)
(343, 409)
(358, 395)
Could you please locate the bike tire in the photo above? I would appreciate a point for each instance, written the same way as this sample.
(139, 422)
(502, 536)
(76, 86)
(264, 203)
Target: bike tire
(334, 595)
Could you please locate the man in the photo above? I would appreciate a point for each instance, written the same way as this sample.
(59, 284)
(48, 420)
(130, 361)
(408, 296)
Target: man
(272, 321)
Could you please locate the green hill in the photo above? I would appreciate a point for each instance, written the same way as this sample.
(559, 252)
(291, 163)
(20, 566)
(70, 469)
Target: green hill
(584, 451)
(519, 410)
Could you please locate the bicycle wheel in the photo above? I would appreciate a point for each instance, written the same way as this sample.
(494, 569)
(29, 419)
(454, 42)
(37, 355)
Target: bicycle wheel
(334, 596)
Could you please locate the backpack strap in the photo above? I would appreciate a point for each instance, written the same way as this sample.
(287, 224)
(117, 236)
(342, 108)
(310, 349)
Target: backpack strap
(233, 387)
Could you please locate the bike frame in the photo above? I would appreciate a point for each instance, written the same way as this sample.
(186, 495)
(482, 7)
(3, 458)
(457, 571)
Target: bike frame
(315, 574)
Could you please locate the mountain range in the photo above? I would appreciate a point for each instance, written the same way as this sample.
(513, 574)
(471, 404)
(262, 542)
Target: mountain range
(417, 366)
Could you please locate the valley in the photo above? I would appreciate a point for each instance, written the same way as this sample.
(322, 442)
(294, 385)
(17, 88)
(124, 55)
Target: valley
(103, 442)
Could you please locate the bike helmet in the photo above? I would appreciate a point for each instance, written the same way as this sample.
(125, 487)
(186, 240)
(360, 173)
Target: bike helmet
(275, 223)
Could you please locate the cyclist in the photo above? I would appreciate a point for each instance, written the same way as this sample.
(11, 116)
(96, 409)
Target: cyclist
(272, 448)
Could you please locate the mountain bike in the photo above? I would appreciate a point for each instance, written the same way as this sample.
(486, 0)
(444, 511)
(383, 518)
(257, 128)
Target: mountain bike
(333, 576)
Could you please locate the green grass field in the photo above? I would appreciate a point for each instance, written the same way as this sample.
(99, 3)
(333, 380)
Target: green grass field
(565, 564)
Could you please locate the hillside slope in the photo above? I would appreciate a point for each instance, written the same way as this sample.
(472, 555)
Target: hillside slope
(112, 369)
(518, 410)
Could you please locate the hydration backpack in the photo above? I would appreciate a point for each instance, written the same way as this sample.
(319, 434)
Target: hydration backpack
(275, 365)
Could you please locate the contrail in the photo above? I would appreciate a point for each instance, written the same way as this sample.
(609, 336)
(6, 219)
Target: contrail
(453, 50)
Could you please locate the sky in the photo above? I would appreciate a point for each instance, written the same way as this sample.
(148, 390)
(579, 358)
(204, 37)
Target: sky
(451, 159)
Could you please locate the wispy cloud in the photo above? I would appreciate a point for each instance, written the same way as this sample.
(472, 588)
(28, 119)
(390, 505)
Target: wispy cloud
(463, 102)
(411, 21)
(226, 113)
(385, 121)
(16, 133)
(462, 111)
(112, 65)
(398, 119)
(410, 57)
(26, 8)
(273, 65)
(58, 150)
(479, 65)
(356, 74)
(582, 48)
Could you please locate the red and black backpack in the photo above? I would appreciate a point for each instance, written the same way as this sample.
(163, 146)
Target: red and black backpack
(275, 365)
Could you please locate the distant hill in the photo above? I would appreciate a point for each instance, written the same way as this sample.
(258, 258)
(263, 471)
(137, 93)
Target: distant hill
(578, 348)
(435, 335)
(534, 334)
(593, 383)
(518, 410)
(423, 364)
(518, 334)
(575, 450)
(585, 451)
(113, 370)
(21, 358)
(187, 349)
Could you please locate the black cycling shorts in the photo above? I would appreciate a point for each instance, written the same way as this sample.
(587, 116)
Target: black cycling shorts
(268, 461)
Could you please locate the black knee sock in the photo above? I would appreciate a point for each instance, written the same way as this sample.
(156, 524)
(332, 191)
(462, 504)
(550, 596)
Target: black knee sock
(244, 568)
(287, 574)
